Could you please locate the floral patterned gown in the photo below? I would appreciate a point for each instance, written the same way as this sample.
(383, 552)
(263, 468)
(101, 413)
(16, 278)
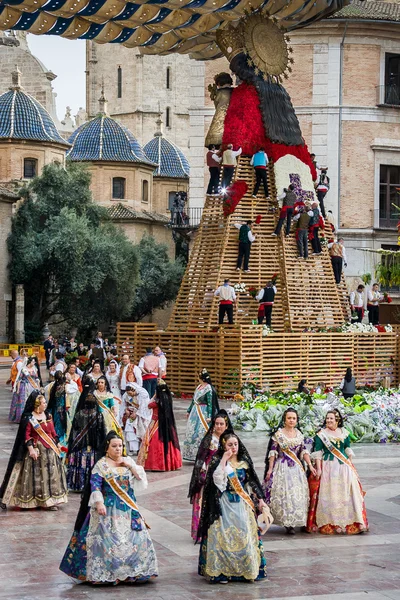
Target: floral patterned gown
(337, 500)
(115, 547)
(232, 548)
(286, 490)
(197, 426)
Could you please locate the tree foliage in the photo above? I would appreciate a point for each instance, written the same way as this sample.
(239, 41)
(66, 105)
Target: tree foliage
(160, 278)
(76, 266)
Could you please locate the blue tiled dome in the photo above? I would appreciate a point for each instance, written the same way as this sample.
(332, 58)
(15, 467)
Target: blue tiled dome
(170, 159)
(24, 118)
(102, 138)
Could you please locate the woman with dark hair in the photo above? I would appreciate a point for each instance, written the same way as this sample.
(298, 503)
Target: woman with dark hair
(35, 475)
(160, 449)
(110, 542)
(337, 498)
(348, 385)
(93, 420)
(302, 387)
(57, 406)
(26, 382)
(208, 446)
(231, 549)
(199, 414)
(286, 487)
(95, 371)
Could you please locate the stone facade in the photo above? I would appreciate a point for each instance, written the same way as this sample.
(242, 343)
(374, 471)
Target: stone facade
(37, 78)
(13, 153)
(7, 199)
(144, 90)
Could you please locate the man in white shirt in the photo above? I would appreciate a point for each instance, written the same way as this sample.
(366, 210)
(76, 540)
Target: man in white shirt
(129, 373)
(227, 298)
(246, 238)
(59, 365)
(163, 360)
(229, 163)
(374, 298)
(266, 297)
(357, 301)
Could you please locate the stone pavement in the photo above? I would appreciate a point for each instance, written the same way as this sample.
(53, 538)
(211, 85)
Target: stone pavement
(364, 567)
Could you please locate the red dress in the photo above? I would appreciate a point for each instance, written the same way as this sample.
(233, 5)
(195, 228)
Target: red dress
(155, 460)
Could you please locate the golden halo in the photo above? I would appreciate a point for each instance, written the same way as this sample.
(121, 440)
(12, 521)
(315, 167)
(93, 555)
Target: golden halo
(265, 44)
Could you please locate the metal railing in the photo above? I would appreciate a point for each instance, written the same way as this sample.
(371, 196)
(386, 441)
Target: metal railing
(186, 218)
(388, 95)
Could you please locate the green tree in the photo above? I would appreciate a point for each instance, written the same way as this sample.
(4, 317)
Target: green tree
(76, 266)
(160, 278)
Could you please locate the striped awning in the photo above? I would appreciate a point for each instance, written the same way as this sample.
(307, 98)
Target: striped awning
(156, 26)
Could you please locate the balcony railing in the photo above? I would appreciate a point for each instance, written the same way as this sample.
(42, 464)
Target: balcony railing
(187, 218)
(388, 95)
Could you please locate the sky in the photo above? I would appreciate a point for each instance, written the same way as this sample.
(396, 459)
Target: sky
(66, 58)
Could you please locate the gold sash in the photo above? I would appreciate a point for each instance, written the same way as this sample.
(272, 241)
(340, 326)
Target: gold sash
(237, 486)
(122, 494)
(203, 421)
(111, 413)
(339, 455)
(286, 450)
(144, 448)
(44, 436)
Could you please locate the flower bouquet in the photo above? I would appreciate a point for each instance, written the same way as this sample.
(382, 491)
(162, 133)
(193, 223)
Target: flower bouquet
(252, 291)
(387, 298)
(239, 288)
(274, 278)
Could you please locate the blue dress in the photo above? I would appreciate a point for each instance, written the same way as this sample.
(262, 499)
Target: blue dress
(115, 547)
(197, 427)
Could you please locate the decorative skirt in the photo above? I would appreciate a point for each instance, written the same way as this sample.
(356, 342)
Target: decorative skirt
(287, 495)
(80, 464)
(37, 483)
(195, 431)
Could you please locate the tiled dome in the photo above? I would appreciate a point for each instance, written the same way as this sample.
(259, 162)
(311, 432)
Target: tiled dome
(170, 159)
(24, 118)
(102, 138)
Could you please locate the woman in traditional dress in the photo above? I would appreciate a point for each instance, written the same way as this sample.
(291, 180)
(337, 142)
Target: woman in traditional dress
(110, 542)
(208, 447)
(112, 376)
(72, 372)
(93, 420)
(57, 406)
(35, 475)
(95, 372)
(337, 498)
(26, 382)
(200, 412)
(286, 486)
(231, 549)
(160, 449)
(137, 416)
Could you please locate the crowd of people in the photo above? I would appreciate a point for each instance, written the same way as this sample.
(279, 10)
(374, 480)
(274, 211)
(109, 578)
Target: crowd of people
(97, 428)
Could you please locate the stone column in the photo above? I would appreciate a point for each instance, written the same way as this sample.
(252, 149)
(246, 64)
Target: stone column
(19, 314)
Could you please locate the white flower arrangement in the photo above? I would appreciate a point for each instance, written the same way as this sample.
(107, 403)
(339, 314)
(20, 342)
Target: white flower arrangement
(363, 328)
(266, 330)
(239, 288)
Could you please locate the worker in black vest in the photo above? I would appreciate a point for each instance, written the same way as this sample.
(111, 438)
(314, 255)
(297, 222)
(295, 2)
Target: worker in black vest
(266, 297)
(246, 238)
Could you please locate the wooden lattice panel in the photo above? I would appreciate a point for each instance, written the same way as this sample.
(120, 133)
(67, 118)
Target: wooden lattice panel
(234, 355)
(307, 294)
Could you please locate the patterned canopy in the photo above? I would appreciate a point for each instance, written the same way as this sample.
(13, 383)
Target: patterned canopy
(156, 26)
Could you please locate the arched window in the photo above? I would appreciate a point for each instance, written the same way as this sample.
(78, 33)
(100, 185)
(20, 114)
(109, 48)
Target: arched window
(145, 190)
(30, 168)
(118, 191)
(168, 117)
(119, 83)
(168, 78)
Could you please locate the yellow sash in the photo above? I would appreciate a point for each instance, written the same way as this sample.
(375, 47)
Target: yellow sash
(122, 494)
(110, 412)
(203, 421)
(339, 455)
(286, 450)
(144, 448)
(237, 486)
(44, 436)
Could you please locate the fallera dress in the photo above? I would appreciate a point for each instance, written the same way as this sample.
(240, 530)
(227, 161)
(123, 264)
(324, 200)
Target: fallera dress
(232, 549)
(198, 497)
(116, 547)
(337, 499)
(151, 454)
(200, 413)
(27, 382)
(286, 491)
